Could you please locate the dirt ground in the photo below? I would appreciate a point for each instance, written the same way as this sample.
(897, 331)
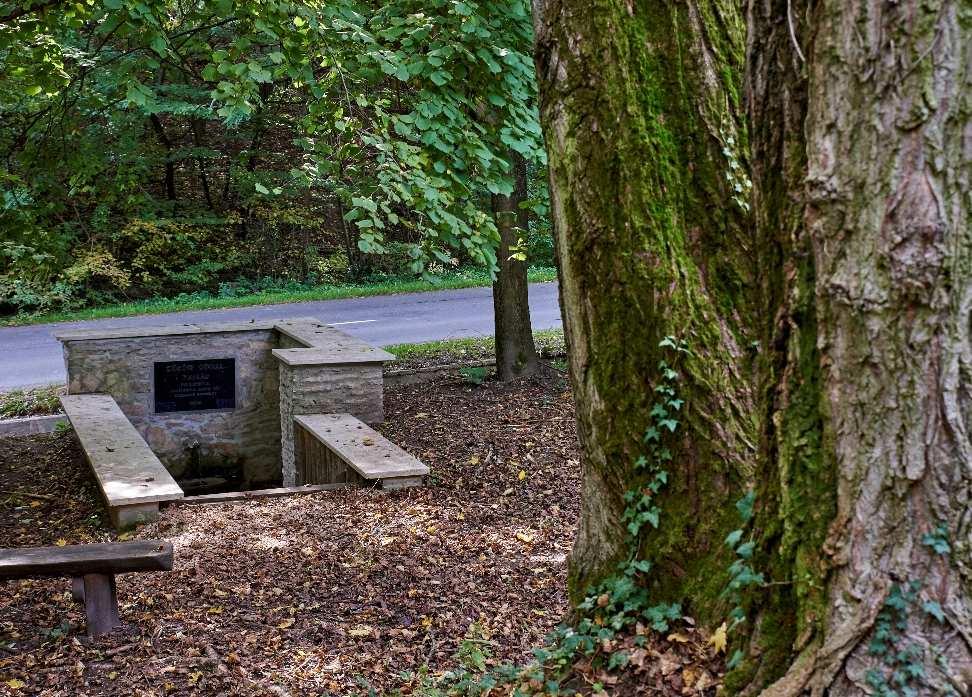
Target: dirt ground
(335, 593)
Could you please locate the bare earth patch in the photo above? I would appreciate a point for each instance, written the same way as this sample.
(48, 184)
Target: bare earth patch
(327, 594)
(47, 494)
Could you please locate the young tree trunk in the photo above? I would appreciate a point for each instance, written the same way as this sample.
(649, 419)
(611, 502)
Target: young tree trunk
(862, 195)
(516, 354)
(640, 104)
(169, 180)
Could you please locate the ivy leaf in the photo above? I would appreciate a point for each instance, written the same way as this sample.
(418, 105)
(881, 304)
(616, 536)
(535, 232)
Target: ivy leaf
(745, 506)
(937, 540)
(652, 517)
(746, 550)
(732, 539)
(737, 616)
(618, 659)
(934, 609)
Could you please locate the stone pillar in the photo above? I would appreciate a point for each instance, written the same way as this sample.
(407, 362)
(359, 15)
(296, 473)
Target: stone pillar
(353, 388)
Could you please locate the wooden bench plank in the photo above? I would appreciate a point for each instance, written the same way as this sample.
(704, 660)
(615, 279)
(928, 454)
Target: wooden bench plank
(81, 560)
(128, 472)
(362, 448)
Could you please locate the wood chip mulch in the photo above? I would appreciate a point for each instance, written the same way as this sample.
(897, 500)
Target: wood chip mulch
(324, 594)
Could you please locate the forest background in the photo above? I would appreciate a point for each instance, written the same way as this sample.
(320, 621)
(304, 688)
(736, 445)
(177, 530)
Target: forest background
(161, 149)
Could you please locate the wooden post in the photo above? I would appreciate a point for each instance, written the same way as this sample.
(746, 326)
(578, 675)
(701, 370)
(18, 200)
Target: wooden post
(100, 603)
(77, 589)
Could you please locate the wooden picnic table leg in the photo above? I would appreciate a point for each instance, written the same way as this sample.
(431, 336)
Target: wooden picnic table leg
(100, 603)
(77, 589)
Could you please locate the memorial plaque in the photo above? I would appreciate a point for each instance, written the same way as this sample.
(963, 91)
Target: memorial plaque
(195, 385)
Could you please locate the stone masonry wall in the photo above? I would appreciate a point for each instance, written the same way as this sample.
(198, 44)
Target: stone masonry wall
(246, 438)
(355, 389)
(286, 342)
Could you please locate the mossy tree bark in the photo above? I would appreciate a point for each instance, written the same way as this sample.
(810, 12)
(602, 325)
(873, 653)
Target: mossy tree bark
(516, 352)
(641, 110)
(863, 145)
(862, 155)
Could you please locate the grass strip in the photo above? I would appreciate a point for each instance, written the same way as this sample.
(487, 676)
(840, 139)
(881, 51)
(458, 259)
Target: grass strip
(39, 401)
(183, 303)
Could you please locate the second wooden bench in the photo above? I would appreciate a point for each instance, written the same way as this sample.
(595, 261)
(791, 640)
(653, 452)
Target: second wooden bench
(338, 448)
(92, 570)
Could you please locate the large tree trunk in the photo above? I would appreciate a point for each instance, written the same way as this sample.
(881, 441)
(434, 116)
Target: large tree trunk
(641, 110)
(862, 153)
(516, 353)
(862, 192)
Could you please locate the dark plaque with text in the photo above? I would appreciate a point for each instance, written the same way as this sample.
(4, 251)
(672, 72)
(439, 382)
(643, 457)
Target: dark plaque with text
(195, 385)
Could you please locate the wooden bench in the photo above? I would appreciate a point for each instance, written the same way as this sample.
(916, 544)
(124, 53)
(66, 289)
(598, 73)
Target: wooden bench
(132, 479)
(338, 448)
(92, 570)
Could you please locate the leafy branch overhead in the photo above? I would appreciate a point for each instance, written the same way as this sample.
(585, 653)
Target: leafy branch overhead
(404, 111)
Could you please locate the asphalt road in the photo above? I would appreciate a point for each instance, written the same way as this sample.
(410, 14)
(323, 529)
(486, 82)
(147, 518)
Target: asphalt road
(31, 355)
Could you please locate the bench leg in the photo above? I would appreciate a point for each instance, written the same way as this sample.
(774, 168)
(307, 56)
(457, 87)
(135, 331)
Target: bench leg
(392, 483)
(77, 589)
(100, 603)
(125, 517)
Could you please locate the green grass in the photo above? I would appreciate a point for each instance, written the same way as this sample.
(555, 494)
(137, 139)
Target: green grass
(37, 401)
(40, 401)
(550, 342)
(460, 279)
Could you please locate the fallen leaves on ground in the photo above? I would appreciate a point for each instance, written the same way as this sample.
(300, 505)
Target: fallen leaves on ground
(47, 494)
(328, 593)
(675, 665)
(334, 593)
